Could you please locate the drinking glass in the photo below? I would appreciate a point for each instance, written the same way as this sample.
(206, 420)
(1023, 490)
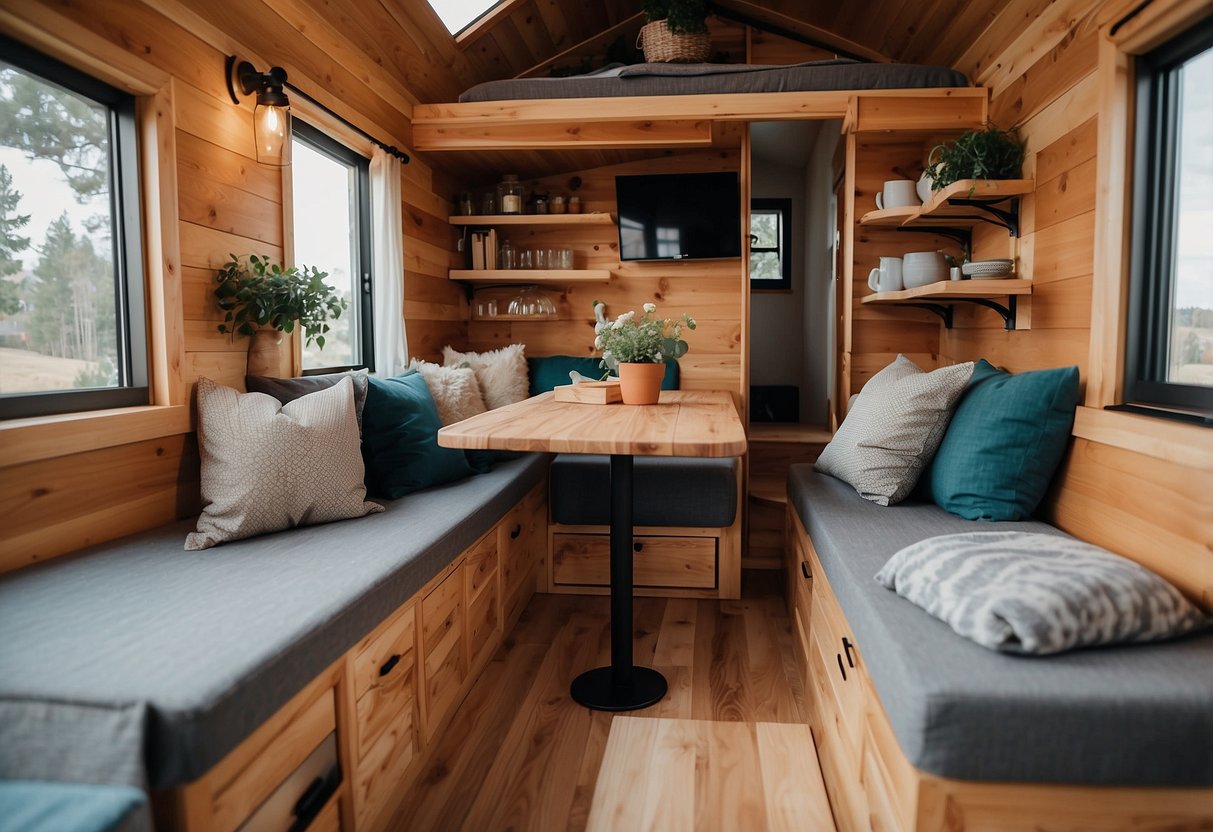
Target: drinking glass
(526, 259)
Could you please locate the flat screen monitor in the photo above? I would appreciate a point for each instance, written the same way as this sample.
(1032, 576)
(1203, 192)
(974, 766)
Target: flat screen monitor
(679, 216)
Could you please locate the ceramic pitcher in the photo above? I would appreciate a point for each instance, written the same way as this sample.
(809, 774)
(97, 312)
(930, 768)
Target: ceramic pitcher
(887, 278)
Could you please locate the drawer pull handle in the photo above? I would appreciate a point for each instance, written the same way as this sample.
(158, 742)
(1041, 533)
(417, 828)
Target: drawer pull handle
(517, 531)
(804, 570)
(390, 665)
(638, 547)
(846, 648)
(841, 669)
(314, 797)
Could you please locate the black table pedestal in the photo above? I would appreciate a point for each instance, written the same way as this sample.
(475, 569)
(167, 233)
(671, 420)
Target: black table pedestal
(622, 686)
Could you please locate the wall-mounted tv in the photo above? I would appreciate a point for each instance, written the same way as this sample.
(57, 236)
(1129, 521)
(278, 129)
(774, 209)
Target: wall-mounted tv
(679, 216)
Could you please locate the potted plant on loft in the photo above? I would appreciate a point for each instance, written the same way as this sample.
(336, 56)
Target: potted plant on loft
(637, 349)
(262, 299)
(676, 31)
(985, 154)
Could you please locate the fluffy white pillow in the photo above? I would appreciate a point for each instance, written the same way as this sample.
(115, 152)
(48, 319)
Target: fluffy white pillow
(894, 429)
(455, 390)
(502, 373)
(268, 466)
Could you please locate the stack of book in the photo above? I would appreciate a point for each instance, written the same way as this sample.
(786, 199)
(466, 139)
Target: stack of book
(484, 249)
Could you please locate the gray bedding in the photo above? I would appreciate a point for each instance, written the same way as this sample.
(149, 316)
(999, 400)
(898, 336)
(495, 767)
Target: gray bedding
(1138, 715)
(138, 655)
(720, 79)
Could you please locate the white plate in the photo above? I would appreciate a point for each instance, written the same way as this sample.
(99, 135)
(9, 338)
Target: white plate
(988, 268)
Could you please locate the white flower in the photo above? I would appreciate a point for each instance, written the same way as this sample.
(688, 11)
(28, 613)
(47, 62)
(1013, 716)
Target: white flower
(618, 324)
(650, 307)
(598, 343)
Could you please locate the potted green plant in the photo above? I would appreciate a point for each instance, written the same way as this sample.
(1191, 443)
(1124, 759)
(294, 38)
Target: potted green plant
(989, 153)
(262, 299)
(637, 349)
(676, 31)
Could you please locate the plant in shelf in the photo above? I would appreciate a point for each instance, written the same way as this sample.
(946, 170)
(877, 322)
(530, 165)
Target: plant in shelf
(262, 299)
(986, 154)
(637, 349)
(676, 31)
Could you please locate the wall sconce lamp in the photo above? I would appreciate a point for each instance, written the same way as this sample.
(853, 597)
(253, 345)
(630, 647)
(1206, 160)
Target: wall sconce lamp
(272, 116)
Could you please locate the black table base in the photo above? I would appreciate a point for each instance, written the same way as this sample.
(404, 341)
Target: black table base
(622, 686)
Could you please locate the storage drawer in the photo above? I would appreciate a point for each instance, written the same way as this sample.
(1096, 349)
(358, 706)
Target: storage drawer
(385, 678)
(480, 565)
(842, 660)
(379, 781)
(484, 623)
(443, 661)
(840, 761)
(585, 559)
(302, 795)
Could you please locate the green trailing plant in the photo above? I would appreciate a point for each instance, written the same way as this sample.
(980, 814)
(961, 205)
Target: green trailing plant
(685, 17)
(256, 292)
(986, 154)
(647, 340)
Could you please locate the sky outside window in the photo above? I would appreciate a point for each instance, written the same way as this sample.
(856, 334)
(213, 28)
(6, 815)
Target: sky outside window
(459, 14)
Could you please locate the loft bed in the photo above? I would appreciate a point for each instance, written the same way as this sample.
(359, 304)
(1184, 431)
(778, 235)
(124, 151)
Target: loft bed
(664, 105)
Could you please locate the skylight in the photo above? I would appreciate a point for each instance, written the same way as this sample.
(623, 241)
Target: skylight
(459, 14)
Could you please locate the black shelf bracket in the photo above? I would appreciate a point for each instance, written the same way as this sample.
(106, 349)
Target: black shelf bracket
(961, 235)
(1008, 219)
(944, 310)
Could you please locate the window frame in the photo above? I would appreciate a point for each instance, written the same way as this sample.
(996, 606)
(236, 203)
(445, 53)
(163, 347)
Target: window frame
(783, 206)
(326, 144)
(1153, 221)
(126, 212)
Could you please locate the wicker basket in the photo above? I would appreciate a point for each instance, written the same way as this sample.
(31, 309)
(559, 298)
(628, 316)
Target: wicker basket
(661, 46)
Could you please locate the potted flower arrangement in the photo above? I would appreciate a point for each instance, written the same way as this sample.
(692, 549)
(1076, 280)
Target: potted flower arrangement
(676, 31)
(987, 154)
(262, 299)
(637, 348)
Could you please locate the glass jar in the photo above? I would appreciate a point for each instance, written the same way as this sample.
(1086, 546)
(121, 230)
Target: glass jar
(541, 204)
(466, 206)
(507, 256)
(509, 194)
(574, 204)
(488, 204)
(556, 204)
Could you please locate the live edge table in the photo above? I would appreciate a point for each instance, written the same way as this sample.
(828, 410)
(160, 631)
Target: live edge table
(683, 423)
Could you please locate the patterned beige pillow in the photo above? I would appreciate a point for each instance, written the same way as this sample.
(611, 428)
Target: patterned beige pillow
(267, 466)
(502, 373)
(455, 390)
(894, 429)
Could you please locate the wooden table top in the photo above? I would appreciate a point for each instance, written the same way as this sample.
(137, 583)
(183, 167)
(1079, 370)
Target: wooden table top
(684, 423)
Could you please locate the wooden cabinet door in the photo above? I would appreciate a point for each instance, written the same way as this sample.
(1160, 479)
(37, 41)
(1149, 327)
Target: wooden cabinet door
(443, 657)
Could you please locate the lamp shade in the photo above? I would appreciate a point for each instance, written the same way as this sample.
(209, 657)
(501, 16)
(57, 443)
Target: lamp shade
(272, 126)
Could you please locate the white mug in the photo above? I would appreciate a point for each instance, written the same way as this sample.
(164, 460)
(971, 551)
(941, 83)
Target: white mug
(887, 278)
(898, 193)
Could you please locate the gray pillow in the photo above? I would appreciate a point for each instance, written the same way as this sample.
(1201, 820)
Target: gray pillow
(268, 466)
(288, 389)
(1031, 593)
(893, 429)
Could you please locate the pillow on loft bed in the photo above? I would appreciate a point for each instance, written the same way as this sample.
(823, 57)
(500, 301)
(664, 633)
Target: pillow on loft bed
(552, 371)
(1038, 594)
(1005, 441)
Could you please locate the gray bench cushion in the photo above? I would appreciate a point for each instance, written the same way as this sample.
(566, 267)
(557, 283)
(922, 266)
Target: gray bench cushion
(1128, 715)
(194, 650)
(669, 491)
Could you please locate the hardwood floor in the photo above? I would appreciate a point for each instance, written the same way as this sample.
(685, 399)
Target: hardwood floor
(520, 754)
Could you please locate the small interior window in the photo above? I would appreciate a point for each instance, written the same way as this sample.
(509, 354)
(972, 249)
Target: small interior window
(770, 244)
(457, 15)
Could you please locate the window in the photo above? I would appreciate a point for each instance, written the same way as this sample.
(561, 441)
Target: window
(1169, 351)
(771, 244)
(330, 186)
(72, 330)
(457, 15)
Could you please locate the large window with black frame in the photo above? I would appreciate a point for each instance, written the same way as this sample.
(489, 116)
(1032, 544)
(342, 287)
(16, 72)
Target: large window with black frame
(330, 187)
(72, 321)
(1169, 346)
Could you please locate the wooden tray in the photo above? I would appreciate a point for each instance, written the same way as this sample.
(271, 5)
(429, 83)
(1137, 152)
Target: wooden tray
(590, 392)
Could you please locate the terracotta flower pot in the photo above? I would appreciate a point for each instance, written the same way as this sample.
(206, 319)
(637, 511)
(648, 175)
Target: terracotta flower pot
(640, 383)
(265, 353)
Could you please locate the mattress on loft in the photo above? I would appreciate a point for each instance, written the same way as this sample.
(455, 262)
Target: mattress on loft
(1131, 715)
(720, 79)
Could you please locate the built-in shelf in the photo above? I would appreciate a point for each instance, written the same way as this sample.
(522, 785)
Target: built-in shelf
(962, 204)
(940, 297)
(535, 219)
(525, 276)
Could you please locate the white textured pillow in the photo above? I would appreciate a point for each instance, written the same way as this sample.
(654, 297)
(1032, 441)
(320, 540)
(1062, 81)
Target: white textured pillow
(894, 429)
(455, 390)
(268, 466)
(502, 373)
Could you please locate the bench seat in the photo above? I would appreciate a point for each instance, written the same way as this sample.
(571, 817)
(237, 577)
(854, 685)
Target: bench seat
(669, 491)
(138, 645)
(1139, 715)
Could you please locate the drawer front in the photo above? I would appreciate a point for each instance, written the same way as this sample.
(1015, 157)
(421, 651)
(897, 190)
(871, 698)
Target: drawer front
(386, 653)
(515, 543)
(687, 562)
(480, 565)
(444, 664)
(484, 624)
(304, 793)
(378, 783)
(840, 763)
(842, 658)
(389, 696)
(881, 807)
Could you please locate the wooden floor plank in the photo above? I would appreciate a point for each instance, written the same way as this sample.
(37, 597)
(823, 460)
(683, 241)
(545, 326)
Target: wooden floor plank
(791, 779)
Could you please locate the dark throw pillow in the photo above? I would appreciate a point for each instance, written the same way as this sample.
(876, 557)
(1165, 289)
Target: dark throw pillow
(1006, 439)
(399, 439)
(288, 389)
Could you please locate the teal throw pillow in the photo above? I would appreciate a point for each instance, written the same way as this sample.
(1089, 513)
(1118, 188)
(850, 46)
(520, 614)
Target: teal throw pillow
(399, 439)
(552, 371)
(1005, 441)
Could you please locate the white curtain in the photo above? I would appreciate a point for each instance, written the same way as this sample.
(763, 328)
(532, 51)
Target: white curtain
(387, 229)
